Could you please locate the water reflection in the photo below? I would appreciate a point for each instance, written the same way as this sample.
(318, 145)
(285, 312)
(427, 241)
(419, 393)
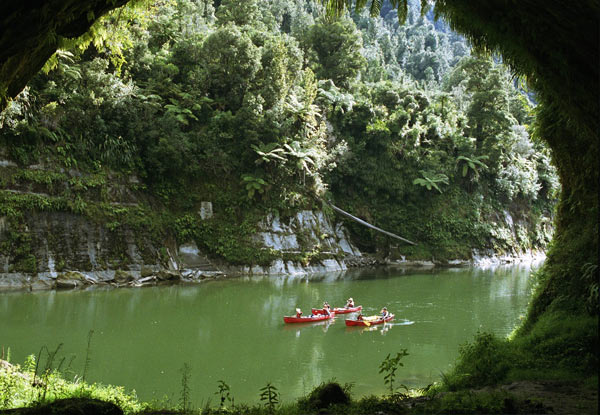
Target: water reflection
(298, 327)
(233, 330)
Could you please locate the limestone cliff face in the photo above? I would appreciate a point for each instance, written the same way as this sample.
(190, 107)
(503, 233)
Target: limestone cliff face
(59, 242)
(62, 228)
(66, 250)
(307, 231)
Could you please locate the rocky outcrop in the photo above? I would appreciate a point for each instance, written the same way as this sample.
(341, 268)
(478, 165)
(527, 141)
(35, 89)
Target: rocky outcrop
(307, 242)
(63, 250)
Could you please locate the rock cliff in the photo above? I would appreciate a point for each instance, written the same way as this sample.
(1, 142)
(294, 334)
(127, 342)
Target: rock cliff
(67, 250)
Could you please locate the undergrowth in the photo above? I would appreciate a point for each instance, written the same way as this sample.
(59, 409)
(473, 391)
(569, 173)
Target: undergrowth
(560, 346)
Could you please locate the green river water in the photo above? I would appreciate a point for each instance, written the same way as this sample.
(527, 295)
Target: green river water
(232, 329)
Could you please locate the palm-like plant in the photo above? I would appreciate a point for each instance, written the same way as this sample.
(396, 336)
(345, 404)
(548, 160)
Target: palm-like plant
(431, 180)
(305, 157)
(473, 163)
(302, 110)
(253, 185)
(336, 98)
(269, 153)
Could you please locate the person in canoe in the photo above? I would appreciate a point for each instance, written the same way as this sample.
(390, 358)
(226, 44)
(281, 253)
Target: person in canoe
(326, 308)
(384, 312)
(350, 303)
(298, 313)
(359, 317)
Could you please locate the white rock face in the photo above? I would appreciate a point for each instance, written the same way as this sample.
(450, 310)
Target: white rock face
(306, 231)
(279, 241)
(343, 242)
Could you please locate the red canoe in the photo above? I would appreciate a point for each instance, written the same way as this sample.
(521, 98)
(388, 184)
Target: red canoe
(338, 310)
(369, 321)
(307, 319)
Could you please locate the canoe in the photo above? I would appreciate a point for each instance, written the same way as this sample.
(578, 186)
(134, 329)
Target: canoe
(339, 310)
(306, 319)
(369, 321)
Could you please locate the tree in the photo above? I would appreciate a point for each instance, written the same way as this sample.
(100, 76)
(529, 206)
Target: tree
(238, 12)
(230, 62)
(333, 50)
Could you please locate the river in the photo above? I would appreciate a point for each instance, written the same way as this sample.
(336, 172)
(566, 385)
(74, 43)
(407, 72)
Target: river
(232, 329)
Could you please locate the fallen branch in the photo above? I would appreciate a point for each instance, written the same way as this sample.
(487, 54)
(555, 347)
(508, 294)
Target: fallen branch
(368, 225)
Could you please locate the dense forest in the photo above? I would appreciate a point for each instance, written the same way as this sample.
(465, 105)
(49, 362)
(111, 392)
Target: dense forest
(270, 107)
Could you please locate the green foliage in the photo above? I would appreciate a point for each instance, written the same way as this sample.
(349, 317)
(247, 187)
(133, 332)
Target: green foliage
(42, 381)
(253, 185)
(17, 245)
(431, 180)
(389, 366)
(185, 388)
(229, 66)
(269, 153)
(224, 393)
(559, 346)
(240, 13)
(327, 44)
(590, 278)
(401, 139)
(472, 164)
(269, 397)
(482, 362)
(326, 396)
(280, 108)
(229, 237)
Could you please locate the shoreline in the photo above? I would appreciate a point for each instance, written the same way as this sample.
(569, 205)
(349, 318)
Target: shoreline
(77, 280)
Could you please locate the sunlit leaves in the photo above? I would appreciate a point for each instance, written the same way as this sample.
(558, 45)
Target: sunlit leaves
(254, 185)
(431, 180)
(268, 153)
(473, 164)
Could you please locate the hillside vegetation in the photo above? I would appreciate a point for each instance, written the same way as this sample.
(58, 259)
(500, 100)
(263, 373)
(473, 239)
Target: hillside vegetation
(269, 107)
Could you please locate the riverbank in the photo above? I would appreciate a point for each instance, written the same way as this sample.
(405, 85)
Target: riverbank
(480, 260)
(25, 391)
(180, 272)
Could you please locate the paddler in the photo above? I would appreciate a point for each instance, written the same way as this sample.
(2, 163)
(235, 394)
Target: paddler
(350, 303)
(298, 313)
(384, 312)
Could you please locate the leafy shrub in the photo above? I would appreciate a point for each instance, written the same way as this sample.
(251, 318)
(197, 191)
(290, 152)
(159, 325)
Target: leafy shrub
(481, 362)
